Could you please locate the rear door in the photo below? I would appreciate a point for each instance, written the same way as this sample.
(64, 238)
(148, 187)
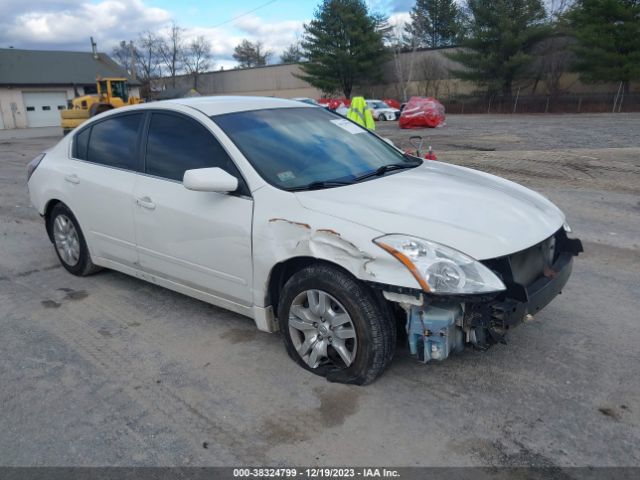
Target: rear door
(100, 181)
(198, 239)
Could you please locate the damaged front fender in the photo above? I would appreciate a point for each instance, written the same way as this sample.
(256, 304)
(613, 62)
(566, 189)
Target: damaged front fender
(284, 231)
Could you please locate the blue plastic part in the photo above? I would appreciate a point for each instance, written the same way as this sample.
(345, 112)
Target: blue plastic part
(434, 332)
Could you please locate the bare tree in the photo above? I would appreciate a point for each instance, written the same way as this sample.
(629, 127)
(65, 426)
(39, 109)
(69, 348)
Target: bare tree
(249, 54)
(171, 50)
(122, 55)
(197, 57)
(433, 74)
(403, 60)
(148, 55)
(553, 59)
(292, 54)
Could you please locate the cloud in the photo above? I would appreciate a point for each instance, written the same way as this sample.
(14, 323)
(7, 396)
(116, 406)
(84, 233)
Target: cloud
(276, 36)
(68, 24)
(392, 6)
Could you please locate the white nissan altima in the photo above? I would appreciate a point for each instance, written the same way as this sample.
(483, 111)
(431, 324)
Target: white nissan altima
(305, 222)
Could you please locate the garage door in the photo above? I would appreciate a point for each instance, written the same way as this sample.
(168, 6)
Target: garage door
(43, 108)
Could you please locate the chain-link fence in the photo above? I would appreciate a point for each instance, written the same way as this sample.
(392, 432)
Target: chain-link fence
(574, 103)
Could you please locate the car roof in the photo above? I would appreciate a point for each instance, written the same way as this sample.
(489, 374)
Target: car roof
(218, 105)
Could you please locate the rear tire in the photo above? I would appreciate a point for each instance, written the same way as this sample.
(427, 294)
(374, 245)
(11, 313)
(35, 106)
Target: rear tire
(68, 241)
(354, 339)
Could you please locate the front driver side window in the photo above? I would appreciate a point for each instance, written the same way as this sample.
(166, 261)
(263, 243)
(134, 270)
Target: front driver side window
(176, 144)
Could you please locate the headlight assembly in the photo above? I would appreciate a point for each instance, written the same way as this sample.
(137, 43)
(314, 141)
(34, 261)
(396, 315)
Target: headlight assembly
(440, 269)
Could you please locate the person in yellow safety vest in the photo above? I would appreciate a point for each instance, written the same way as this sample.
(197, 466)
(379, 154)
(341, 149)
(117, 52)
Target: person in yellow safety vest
(360, 113)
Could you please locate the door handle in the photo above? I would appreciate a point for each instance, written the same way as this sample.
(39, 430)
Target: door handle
(73, 178)
(145, 202)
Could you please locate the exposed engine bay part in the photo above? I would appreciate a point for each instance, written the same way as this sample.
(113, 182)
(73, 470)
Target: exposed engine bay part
(439, 325)
(435, 331)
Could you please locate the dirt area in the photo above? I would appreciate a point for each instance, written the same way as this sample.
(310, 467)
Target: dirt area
(109, 370)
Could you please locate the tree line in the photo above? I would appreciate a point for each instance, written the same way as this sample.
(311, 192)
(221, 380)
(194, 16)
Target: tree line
(501, 44)
(169, 54)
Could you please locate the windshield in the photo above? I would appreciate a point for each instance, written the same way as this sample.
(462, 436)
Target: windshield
(377, 105)
(119, 89)
(297, 147)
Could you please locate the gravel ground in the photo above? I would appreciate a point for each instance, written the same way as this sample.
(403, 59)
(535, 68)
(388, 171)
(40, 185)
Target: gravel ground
(109, 370)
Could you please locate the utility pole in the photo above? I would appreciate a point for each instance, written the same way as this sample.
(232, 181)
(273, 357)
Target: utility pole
(134, 75)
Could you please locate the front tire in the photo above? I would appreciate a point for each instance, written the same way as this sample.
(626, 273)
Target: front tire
(68, 241)
(334, 326)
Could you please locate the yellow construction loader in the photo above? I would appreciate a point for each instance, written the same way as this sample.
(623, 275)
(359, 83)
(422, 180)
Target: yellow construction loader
(112, 93)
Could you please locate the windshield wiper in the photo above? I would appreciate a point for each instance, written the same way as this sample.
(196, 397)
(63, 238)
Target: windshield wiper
(317, 185)
(386, 168)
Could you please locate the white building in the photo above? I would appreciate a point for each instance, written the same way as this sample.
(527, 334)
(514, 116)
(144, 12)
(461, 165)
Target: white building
(36, 84)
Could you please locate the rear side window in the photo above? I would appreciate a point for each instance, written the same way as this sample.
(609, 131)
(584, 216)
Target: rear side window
(176, 144)
(114, 141)
(81, 144)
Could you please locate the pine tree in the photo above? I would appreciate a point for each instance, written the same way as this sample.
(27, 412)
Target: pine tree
(500, 36)
(344, 46)
(608, 40)
(434, 23)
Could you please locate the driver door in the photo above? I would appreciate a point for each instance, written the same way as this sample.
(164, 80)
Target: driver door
(201, 240)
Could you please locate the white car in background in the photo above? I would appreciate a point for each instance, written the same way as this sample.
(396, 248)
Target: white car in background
(306, 223)
(382, 111)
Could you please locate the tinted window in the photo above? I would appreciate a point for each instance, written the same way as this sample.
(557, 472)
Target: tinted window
(176, 144)
(113, 142)
(295, 147)
(81, 144)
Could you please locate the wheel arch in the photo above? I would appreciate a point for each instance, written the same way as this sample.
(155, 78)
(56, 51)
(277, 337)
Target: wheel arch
(284, 270)
(47, 212)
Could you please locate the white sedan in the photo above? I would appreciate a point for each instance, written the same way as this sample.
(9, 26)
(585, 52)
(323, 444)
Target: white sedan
(382, 111)
(305, 222)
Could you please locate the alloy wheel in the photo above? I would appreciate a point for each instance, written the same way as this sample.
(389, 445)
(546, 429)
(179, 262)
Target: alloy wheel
(321, 330)
(66, 240)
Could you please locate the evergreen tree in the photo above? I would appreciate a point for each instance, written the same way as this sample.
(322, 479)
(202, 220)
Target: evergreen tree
(344, 46)
(500, 36)
(435, 23)
(608, 40)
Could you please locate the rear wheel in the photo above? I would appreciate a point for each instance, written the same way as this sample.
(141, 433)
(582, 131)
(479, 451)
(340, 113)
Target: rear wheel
(334, 326)
(69, 241)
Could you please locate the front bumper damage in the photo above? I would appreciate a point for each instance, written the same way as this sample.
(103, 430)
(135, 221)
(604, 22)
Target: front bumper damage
(438, 326)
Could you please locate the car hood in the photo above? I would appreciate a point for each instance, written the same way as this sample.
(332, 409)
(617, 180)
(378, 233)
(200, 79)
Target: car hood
(386, 109)
(476, 213)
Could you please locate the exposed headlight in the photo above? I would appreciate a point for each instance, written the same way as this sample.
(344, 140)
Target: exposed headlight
(440, 269)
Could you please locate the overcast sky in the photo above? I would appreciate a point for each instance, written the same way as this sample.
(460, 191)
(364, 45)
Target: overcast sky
(68, 24)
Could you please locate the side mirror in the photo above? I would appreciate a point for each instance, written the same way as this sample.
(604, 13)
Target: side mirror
(209, 180)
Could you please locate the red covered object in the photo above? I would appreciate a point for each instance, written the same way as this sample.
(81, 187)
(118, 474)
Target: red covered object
(392, 103)
(334, 103)
(422, 112)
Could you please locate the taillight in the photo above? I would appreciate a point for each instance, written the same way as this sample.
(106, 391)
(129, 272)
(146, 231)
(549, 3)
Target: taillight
(33, 164)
